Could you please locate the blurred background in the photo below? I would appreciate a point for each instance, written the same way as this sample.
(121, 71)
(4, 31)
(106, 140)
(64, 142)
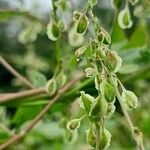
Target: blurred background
(25, 45)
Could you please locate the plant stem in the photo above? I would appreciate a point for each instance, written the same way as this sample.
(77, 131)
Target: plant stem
(130, 124)
(22, 94)
(15, 73)
(22, 133)
(97, 135)
(124, 110)
(54, 10)
(6, 129)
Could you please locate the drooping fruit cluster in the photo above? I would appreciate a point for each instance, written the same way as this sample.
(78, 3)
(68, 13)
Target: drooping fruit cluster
(102, 65)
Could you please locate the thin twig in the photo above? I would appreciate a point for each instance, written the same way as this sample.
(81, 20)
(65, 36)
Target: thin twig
(14, 72)
(22, 94)
(22, 133)
(6, 129)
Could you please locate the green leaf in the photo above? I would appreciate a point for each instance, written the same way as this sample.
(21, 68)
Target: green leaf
(129, 68)
(3, 136)
(137, 40)
(24, 114)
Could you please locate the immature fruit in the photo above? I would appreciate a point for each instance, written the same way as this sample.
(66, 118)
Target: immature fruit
(76, 15)
(53, 31)
(133, 2)
(61, 4)
(111, 109)
(130, 99)
(116, 4)
(70, 137)
(103, 36)
(61, 79)
(90, 72)
(113, 61)
(74, 38)
(73, 124)
(91, 137)
(82, 24)
(51, 86)
(105, 139)
(107, 38)
(124, 18)
(80, 51)
(99, 107)
(86, 100)
(107, 91)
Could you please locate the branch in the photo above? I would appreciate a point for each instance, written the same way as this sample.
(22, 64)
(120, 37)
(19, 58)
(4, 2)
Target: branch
(14, 72)
(22, 94)
(6, 129)
(22, 133)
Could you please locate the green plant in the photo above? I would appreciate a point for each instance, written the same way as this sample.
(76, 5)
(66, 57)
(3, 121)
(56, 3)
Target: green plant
(113, 62)
(103, 64)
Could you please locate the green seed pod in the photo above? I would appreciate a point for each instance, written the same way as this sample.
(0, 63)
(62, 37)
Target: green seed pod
(124, 18)
(76, 15)
(74, 38)
(116, 4)
(86, 100)
(92, 3)
(107, 38)
(90, 72)
(107, 91)
(105, 139)
(61, 79)
(29, 33)
(113, 61)
(97, 82)
(93, 44)
(73, 124)
(100, 37)
(61, 5)
(79, 52)
(99, 107)
(130, 99)
(82, 24)
(61, 25)
(133, 2)
(112, 80)
(70, 137)
(53, 31)
(111, 109)
(91, 138)
(51, 86)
